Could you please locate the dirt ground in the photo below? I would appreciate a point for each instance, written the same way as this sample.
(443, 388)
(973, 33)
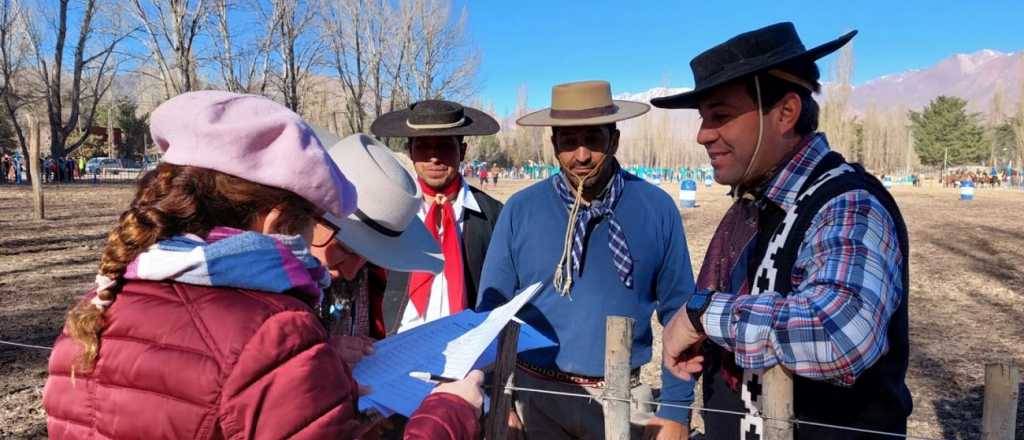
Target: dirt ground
(967, 280)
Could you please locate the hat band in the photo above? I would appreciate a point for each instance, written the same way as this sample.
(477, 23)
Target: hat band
(791, 78)
(585, 113)
(458, 123)
(376, 226)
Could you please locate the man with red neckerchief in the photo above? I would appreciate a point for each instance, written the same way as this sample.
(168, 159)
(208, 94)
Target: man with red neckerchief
(459, 216)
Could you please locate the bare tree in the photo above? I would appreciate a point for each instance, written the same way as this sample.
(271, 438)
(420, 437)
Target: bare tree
(445, 64)
(994, 119)
(388, 53)
(397, 58)
(297, 46)
(14, 47)
(72, 104)
(1018, 123)
(242, 56)
(369, 50)
(343, 27)
(836, 119)
(531, 141)
(171, 28)
(886, 141)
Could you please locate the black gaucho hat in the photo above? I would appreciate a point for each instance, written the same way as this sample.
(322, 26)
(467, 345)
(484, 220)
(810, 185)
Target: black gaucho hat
(769, 49)
(434, 118)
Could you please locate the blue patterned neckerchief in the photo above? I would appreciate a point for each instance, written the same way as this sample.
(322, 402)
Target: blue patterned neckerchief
(600, 207)
(229, 257)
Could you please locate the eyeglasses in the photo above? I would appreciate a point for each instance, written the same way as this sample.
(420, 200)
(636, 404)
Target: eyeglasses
(324, 232)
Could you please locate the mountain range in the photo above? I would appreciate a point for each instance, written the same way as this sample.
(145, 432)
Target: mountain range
(975, 77)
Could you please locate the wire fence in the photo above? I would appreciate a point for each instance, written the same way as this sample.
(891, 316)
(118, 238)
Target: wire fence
(19, 344)
(795, 422)
(106, 175)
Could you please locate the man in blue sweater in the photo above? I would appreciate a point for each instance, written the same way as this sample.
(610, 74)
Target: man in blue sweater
(604, 243)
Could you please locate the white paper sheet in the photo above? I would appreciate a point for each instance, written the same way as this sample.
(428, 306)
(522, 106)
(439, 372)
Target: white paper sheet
(462, 352)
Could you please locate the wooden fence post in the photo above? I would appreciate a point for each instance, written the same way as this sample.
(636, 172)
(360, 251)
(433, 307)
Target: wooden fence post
(778, 403)
(999, 413)
(618, 345)
(34, 169)
(504, 369)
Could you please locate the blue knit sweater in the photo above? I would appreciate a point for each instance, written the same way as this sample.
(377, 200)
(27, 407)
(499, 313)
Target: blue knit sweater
(525, 248)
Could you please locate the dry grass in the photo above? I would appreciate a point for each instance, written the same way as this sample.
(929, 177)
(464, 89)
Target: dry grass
(967, 281)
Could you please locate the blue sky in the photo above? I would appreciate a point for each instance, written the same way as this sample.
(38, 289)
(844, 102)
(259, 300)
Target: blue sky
(642, 44)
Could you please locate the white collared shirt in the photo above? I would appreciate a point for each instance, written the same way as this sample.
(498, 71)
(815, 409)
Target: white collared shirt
(438, 306)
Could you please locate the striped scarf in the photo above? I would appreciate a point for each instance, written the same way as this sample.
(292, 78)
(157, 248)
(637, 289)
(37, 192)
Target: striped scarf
(230, 257)
(603, 206)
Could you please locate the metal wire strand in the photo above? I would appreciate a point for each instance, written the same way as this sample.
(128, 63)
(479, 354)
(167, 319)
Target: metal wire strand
(702, 409)
(646, 402)
(18, 344)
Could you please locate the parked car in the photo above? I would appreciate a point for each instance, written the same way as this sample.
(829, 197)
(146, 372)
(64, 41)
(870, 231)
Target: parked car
(98, 164)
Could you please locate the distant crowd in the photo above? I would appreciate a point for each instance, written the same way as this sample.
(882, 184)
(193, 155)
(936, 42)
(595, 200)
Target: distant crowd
(492, 173)
(61, 170)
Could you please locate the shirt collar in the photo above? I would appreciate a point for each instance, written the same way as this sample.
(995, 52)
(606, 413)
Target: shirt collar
(785, 186)
(466, 199)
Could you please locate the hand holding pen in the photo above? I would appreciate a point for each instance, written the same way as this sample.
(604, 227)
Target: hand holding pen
(469, 389)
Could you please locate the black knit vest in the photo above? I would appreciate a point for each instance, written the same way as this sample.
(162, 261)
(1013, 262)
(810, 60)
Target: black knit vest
(880, 399)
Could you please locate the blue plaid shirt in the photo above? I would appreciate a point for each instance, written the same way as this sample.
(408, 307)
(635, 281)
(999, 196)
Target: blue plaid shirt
(847, 285)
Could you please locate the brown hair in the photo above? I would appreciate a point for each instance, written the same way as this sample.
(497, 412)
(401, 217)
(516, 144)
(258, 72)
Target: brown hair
(172, 200)
(773, 89)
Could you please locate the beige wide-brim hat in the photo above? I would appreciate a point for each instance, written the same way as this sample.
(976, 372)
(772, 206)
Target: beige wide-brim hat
(385, 228)
(583, 103)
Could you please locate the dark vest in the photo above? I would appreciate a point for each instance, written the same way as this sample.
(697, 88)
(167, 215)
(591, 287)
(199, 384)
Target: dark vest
(476, 236)
(880, 399)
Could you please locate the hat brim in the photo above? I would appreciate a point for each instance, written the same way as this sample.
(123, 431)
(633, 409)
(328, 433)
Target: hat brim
(395, 124)
(413, 251)
(691, 99)
(327, 137)
(625, 110)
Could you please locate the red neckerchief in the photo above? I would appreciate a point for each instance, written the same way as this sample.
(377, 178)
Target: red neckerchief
(420, 282)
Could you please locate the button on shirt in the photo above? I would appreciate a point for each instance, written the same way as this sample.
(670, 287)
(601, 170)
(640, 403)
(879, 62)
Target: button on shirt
(438, 306)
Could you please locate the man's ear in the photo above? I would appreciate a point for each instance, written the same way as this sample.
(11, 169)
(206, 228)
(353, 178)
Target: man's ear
(613, 142)
(789, 109)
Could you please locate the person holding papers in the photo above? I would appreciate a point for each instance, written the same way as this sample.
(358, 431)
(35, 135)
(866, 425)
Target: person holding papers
(384, 231)
(459, 216)
(604, 242)
(201, 322)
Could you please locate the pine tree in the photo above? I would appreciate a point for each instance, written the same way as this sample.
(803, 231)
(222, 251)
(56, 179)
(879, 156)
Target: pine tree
(1004, 142)
(134, 128)
(946, 126)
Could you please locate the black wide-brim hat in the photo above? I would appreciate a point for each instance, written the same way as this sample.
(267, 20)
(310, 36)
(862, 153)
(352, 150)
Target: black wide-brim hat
(434, 118)
(771, 47)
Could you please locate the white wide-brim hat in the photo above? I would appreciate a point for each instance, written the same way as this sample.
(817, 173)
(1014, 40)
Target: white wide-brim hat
(385, 228)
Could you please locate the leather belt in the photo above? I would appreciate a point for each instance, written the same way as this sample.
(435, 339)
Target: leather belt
(574, 379)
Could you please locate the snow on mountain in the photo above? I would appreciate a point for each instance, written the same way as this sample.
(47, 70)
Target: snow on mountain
(646, 96)
(975, 77)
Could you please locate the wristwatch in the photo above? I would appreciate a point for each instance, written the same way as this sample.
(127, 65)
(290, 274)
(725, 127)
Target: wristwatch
(695, 308)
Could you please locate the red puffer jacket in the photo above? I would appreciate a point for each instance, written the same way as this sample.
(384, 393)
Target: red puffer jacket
(181, 361)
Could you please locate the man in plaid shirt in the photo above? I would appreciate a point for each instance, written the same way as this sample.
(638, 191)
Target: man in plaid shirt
(808, 269)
